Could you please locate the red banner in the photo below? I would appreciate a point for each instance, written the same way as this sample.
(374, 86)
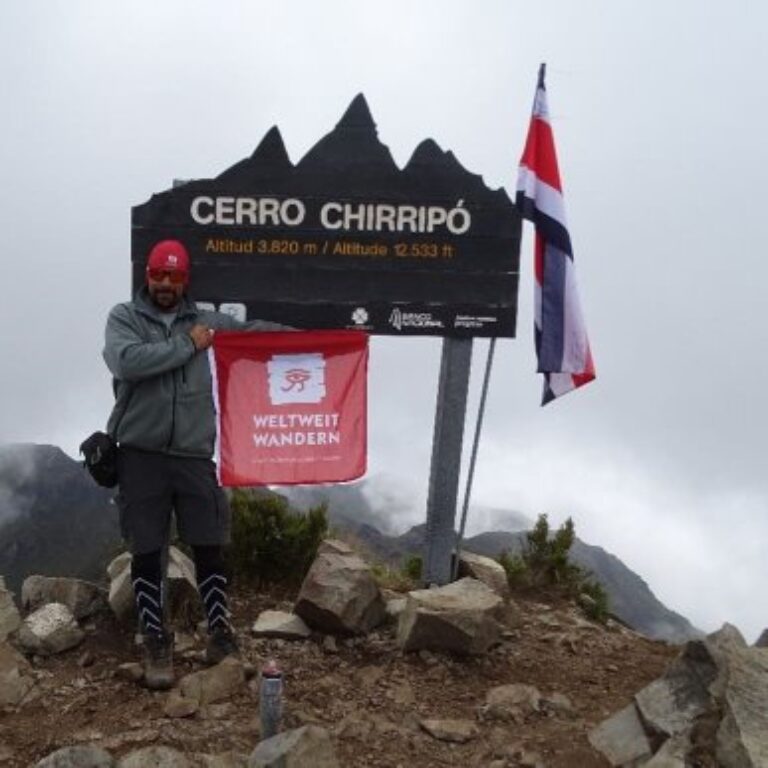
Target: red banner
(290, 406)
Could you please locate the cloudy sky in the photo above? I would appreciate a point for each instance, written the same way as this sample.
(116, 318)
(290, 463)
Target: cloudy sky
(661, 128)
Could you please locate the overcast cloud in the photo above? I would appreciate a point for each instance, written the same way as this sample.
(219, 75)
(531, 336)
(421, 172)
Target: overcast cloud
(659, 116)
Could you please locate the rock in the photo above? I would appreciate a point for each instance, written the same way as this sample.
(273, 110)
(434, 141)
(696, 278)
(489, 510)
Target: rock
(670, 704)
(15, 676)
(458, 617)
(49, 630)
(280, 624)
(118, 565)
(456, 731)
(131, 671)
(79, 756)
(306, 747)
(120, 597)
(672, 753)
(558, 703)
(761, 642)
(215, 684)
(742, 739)
(335, 547)
(155, 757)
(395, 608)
(177, 705)
(83, 756)
(81, 597)
(621, 738)
(225, 760)
(484, 569)
(216, 711)
(726, 639)
(512, 702)
(339, 593)
(184, 608)
(329, 644)
(10, 620)
(86, 659)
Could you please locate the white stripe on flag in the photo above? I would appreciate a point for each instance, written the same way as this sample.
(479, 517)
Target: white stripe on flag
(575, 343)
(546, 198)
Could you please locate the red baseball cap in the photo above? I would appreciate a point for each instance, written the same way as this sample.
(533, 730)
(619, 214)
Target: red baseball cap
(169, 254)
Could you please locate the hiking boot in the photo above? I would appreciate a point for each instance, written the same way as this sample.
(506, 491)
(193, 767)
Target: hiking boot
(221, 644)
(158, 660)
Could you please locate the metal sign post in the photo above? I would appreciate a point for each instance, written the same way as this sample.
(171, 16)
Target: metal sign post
(446, 459)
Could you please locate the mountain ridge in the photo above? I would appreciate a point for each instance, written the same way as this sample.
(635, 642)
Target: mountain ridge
(59, 523)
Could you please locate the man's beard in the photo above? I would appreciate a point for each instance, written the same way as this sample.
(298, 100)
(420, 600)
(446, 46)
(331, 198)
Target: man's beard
(164, 298)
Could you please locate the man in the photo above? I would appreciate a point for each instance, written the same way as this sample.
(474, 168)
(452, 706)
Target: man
(164, 422)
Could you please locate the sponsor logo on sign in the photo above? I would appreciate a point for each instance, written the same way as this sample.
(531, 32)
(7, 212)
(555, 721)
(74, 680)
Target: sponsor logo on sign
(399, 320)
(235, 310)
(470, 321)
(360, 316)
(296, 378)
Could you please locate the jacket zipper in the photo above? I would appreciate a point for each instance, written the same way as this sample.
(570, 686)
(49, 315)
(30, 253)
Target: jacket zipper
(173, 405)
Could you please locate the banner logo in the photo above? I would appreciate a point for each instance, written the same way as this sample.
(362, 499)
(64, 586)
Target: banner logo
(296, 378)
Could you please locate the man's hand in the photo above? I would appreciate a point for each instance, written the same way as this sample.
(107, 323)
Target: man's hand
(202, 336)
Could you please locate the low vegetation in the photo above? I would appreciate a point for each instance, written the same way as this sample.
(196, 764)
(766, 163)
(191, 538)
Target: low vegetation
(402, 579)
(544, 563)
(270, 542)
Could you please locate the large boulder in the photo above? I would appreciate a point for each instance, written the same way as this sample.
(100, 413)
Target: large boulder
(306, 747)
(10, 620)
(668, 706)
(719, 680)
(184, 607)
(622, 738)
(484, 569)
(15, 678)
(460, 617)
(742, 739)
(339, 594)
(49, 630)
(81, 597)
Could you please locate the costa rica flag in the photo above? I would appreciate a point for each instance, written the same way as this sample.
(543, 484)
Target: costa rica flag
(562, 346)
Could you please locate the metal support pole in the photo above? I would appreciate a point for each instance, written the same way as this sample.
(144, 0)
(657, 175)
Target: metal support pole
(473, 458)
(446, 459)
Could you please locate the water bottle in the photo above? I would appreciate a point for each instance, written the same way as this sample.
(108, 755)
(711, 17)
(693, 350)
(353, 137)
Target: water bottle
(270, 699)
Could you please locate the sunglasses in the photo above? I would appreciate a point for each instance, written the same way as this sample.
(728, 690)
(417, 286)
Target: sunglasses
(174, 275)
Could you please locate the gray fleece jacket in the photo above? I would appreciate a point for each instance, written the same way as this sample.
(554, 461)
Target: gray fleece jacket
(163, 397)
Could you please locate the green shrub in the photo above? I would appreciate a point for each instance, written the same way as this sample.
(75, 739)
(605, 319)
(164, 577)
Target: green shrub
(516, 569)
(413, 565)
(270, 542)
(596, 607)
(544, 562)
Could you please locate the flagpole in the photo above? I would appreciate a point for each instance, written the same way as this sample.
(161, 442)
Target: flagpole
(473, 458)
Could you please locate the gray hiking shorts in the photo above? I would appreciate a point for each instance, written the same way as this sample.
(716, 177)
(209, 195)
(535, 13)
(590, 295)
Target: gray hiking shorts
(152, 485)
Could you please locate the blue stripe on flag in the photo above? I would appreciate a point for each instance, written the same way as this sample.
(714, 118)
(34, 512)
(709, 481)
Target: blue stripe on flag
(552, 310)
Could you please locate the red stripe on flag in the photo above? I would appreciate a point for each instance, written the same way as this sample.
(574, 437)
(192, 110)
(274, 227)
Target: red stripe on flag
(539, 154)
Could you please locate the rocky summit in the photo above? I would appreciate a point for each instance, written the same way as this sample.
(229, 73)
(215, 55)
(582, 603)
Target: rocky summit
(522, 681)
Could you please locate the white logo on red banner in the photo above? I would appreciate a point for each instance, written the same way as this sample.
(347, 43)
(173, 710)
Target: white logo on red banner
(296, 378)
